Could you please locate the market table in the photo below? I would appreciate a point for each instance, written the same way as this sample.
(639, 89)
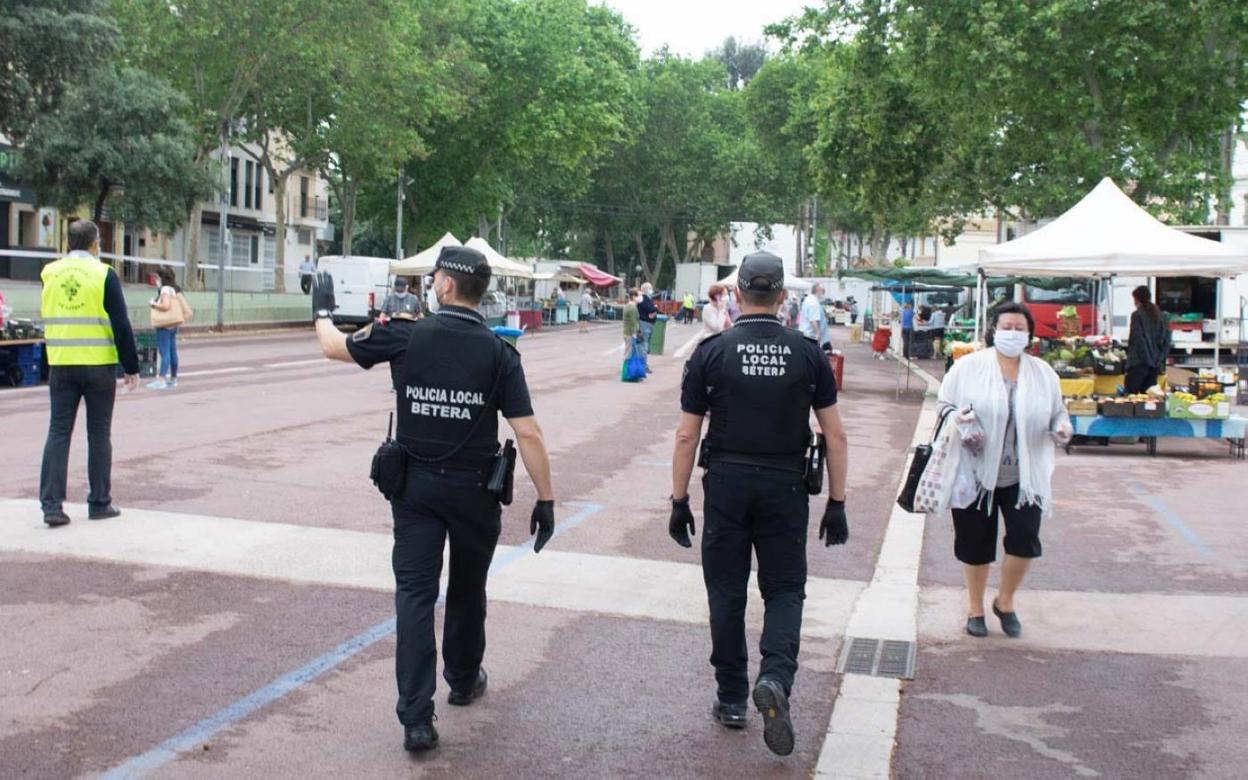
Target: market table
(1151, 429)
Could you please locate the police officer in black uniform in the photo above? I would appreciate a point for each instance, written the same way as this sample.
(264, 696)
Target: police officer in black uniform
(759, 382)
(452, 377)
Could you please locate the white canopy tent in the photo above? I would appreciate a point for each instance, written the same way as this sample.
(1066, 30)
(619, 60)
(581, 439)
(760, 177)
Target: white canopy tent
(422, 262)
(1104, 235)
(794, 283)
(499, 265)
(1108, 234)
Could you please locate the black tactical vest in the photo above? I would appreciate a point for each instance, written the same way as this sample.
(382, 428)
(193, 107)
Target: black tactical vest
(760, 410)
(449, 394)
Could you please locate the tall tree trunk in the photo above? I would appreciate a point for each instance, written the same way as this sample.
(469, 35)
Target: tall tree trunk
(1227, 157)
(609, 250)
(279, 229)
(190, 279)
(350, 189)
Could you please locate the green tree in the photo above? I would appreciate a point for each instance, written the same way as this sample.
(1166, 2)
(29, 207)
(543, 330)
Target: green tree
(741, 60)
(46, 47)
(120, 129)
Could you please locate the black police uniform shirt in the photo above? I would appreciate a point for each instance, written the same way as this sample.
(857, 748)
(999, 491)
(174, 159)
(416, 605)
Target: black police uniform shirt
(769, 360)
(440, 410)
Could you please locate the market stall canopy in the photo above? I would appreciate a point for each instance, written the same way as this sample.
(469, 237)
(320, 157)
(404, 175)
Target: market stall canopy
(942, 277)
(422, 262)
(790, 282)
(1108, 234)
(499, 265)
(597, 277)
(559, 278)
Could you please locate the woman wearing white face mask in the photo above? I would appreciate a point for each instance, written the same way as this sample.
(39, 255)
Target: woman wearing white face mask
(1008, 414)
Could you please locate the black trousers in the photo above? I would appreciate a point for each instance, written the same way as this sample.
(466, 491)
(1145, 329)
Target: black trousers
(436, 504)
(766, 512)
(1140, 378)
(67, 386)
(975, 530)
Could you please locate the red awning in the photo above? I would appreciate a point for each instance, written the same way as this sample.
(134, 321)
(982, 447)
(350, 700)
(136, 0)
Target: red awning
(598, 278)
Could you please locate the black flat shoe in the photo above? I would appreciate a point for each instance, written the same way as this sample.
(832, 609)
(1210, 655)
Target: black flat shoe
(464, 698)
(422, 736)
(975, 626)
(1010, 623)
(773, 705)
(103, 514)
(730, 716)
(55, 519)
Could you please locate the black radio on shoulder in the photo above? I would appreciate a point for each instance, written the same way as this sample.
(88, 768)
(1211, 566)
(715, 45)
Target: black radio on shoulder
(389, 468)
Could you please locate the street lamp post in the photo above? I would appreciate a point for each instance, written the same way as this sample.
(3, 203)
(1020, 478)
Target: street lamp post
(404, 182)
(225, 228)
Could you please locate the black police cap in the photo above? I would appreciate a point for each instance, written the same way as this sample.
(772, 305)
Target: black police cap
(761, 272)
(463, 260)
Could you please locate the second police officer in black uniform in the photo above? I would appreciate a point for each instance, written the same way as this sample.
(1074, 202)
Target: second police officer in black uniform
(452, 377)
(759, 381)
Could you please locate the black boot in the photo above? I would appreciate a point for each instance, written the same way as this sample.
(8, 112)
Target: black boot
(103, 513)
(55, 519)
(729, 715)
(464, 698)
(773, 705)
(422, 736)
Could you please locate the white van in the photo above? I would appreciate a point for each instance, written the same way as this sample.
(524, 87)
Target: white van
(360, 286)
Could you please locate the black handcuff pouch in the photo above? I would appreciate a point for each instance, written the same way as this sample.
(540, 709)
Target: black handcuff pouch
(813, 471)
(503, 473)
(389, 467)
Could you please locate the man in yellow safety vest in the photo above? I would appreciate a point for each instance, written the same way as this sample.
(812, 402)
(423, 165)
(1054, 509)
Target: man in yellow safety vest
(86, 331)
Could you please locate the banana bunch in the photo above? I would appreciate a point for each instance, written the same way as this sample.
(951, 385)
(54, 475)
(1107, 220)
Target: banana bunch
(1185, 397)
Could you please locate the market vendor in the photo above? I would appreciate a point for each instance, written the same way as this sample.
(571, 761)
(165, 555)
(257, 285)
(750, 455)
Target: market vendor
(1148, 343)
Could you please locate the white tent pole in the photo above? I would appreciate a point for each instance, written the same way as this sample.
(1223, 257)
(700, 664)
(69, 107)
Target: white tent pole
(1217, 329)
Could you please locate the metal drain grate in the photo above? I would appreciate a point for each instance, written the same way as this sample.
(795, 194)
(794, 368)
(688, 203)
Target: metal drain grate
(877, 658)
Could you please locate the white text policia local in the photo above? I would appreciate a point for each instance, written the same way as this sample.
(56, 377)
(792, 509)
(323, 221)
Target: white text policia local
(764, 359)
(440, 402)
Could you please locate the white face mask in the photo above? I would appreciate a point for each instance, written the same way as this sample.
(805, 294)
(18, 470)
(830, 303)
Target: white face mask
(1011, 343)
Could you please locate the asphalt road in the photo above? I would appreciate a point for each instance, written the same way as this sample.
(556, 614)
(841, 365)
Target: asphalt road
(233, 622)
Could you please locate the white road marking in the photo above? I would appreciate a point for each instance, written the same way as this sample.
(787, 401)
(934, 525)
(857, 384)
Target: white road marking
(629, 587)
(211, 371)
(863, 729)
(292, 363)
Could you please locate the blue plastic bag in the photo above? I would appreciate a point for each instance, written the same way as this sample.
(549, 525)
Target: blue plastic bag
(634, 364)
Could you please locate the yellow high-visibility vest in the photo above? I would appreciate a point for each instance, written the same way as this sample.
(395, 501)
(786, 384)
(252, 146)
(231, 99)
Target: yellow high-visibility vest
(75, 323)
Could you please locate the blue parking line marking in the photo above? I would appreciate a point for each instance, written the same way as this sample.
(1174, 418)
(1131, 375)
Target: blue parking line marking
(1167, 514)
(209, 727)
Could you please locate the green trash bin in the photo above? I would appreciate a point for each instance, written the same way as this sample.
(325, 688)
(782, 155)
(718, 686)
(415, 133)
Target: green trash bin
(657, 335)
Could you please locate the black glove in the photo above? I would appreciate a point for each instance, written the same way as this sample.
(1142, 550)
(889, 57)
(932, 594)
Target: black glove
(835, 528)
(680, 525)
(323, 293)
(542, 523)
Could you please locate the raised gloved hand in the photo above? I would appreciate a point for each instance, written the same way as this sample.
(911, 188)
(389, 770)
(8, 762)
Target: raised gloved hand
(834, 529)
(680, 525)
(542, 523)
(323, 293)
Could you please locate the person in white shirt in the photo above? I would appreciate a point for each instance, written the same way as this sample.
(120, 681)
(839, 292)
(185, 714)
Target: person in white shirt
(812, 322)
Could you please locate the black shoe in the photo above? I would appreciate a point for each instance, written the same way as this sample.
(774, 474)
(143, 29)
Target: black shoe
(464, 698)
(1010, 623)
(773, 705)
(975, 626)
(729, 715)
(103, 514)
(54, 519)
(422, 736)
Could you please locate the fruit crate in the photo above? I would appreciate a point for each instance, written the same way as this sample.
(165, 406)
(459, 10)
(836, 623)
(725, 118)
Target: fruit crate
(1181, 409)
(1113, 409)
(1081, 407)
(1150, 409)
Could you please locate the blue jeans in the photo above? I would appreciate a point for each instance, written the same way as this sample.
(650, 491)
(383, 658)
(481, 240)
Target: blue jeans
(167, 345)
(647, 328)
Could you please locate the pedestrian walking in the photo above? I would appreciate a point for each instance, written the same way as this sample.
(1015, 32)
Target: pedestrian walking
(907, 329)
(1008, 412)
(853, 312)
(647, 314)
(813, 320)
(445, 474)
(307, 269)
(86, 331)
(714, 321)
(759, 382)
(1148, 343)
(169, 310)
(587, 308)
(688, 308)
(400, 301)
